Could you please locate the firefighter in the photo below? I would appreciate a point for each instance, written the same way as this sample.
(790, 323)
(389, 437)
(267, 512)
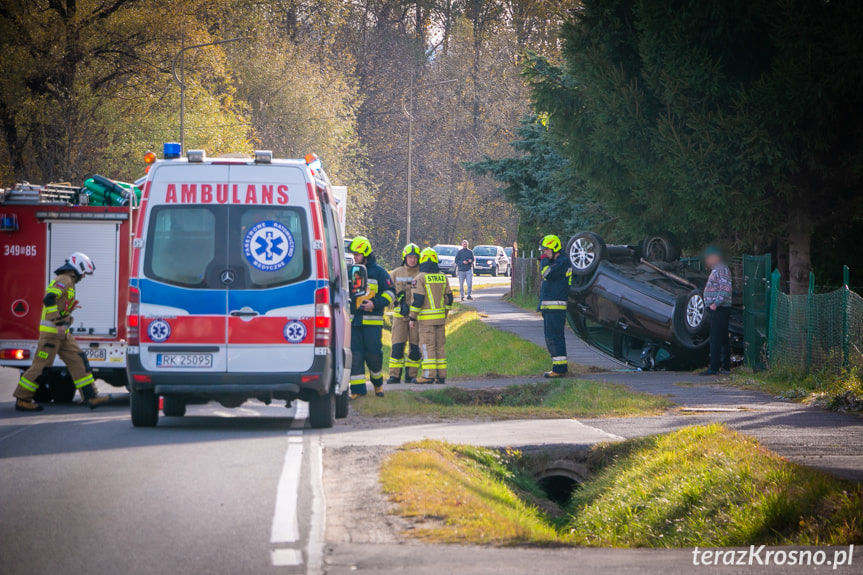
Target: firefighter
(405, 338)
(556, 276)
(56, 339)
(367, 325)
(432, 300)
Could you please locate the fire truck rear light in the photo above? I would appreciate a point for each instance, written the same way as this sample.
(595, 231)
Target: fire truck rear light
(309, 378)
(141, 378)
(14, 354)
(323, 317)
(196, 156)
(263, 156)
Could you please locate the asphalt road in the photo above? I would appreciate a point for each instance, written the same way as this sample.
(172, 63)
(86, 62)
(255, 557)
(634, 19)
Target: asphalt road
(219, 491)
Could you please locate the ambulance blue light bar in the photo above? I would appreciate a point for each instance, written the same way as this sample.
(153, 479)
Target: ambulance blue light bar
(171, 150)
(196, 156)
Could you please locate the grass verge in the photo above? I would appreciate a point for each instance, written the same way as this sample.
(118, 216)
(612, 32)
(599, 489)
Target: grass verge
(703, 485)
(553, 399)
(524, 301)
(475, 349)
(838, 392)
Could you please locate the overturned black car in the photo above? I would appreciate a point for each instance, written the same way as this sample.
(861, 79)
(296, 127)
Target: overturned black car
(642, 304)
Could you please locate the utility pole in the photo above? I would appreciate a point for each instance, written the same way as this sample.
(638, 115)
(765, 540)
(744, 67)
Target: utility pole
(408, 110)
(181, 80)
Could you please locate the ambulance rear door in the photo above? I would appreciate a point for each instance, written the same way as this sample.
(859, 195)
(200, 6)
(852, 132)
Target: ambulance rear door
(271, 298)
(185, 271)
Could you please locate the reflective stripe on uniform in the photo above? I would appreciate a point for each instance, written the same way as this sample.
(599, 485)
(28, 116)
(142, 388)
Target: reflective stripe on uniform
(559, 360)
(47, 328)
(376, 374)
(373, 320)
(27, 384)
(552, 304)
(415, 309)
(411, 363)
(397, 362)
(358, 379)
(84, 381)
(389, 296)
(51, 309)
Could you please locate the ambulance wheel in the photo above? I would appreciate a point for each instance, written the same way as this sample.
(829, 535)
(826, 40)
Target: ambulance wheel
(343, 404)
(145, 408)
(322, 411)
(173, 407)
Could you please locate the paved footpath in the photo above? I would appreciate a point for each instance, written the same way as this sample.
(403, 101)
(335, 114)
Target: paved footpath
(829, 441)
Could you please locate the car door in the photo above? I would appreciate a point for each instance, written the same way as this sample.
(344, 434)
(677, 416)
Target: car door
(271, 305)
(183, 300)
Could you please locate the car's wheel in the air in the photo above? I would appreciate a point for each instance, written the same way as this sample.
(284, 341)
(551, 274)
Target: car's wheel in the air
(660, 249)
(322, 411)
(696, 316)
(145, 408)
(173, 407)
(343, 404)
(585, 250)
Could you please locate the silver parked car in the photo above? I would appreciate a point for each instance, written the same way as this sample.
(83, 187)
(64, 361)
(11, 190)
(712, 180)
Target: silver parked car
(491, 260)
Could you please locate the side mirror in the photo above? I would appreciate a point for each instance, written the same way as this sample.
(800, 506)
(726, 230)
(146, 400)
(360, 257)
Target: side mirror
(359, 277)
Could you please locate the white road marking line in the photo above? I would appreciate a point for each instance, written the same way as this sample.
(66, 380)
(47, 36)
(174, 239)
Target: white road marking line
(317, 525)
(14, 432)
(285, 528)
(287, 557)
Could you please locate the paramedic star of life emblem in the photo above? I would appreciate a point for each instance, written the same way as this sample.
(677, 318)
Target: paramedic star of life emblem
(268, 246)
(295, 331)
(159, 330)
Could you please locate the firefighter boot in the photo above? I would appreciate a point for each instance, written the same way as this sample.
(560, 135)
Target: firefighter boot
(379, 391)
(441, 380)
(394, 379)
(93, 398)
(27, 406)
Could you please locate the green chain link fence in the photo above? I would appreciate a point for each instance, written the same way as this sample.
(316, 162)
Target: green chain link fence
(818, 332)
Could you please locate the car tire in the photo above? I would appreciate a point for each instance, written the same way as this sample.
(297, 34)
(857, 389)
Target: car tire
(585, 251)
(144, 407)
(696, 318)
(494, 271)
(322, 411)
(173, 407)
(660, 249)
(455, 273)
(343, 404)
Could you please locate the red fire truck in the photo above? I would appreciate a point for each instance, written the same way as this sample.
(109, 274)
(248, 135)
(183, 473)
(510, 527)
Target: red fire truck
(39, 227)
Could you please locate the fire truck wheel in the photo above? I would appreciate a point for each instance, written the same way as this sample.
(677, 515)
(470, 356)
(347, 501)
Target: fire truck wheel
(145, 408)
(322, 411)
(174, 407)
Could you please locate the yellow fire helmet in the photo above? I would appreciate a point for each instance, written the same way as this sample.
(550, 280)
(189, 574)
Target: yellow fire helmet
(411, 250)
(551, 242)
(428, 255)
(360, 245)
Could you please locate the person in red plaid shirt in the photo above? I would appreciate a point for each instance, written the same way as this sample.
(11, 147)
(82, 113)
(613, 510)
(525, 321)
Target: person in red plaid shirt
(717, 297)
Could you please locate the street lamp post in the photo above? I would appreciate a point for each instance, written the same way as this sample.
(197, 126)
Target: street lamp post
(181, 81)
(408, 110)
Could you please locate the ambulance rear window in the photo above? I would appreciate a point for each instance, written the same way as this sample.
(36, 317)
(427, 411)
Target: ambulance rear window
(235, 247)
(182, 244)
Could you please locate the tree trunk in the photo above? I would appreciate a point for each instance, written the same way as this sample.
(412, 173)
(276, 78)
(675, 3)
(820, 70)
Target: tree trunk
(799, 240)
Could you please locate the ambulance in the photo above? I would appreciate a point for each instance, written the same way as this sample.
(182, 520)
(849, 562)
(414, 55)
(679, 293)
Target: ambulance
(238, 288)
(40, 226)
